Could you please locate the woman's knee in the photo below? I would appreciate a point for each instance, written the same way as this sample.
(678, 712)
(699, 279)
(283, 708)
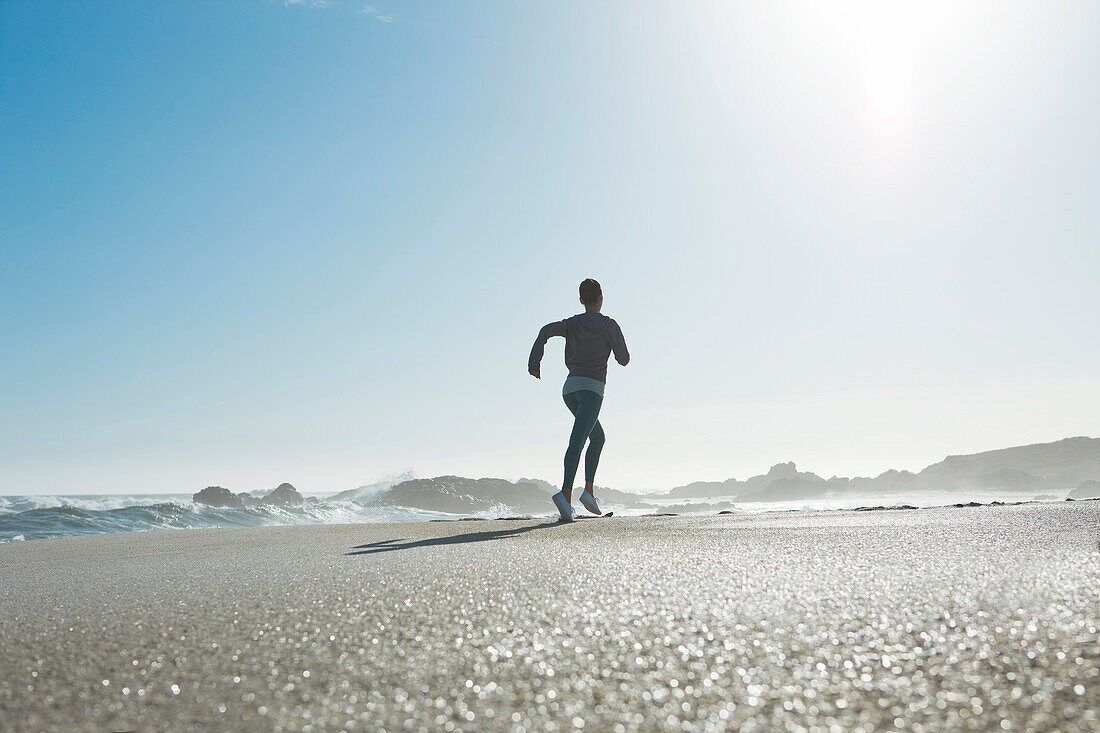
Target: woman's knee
(597, 438)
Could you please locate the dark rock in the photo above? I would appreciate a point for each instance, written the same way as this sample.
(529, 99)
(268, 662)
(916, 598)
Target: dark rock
(884, 508)
(219, 497)
(458, 495)
(283, 495)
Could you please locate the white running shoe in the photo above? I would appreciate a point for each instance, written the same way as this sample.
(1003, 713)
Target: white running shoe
(564, 507)
(590, 503)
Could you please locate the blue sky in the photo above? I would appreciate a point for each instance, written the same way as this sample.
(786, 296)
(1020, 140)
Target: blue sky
(250, 242)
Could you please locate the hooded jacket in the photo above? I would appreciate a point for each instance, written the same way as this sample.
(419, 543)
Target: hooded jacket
(590, 338)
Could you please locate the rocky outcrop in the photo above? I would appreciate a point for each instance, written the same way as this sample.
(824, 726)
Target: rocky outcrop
(729, 487)
(782, 481)
(283, 495)
(458, 495)
(789, 489)
(218, 497)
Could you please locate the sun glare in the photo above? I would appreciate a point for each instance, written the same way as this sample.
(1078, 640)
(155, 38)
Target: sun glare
(887, 41)
(888, 85)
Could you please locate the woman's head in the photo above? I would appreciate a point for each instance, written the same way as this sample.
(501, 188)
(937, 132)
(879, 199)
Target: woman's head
(591, 294)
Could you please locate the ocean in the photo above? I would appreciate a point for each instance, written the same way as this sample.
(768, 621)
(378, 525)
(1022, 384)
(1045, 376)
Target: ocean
(42, 517)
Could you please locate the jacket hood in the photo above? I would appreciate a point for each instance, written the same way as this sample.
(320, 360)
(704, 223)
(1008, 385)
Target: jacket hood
(590, 326)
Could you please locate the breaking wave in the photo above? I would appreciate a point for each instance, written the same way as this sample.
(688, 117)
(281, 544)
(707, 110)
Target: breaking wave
(40, 517)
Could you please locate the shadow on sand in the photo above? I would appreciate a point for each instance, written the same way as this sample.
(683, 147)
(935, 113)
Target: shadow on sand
(402, 544)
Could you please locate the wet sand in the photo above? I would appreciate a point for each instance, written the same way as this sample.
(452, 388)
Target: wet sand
(979, 618)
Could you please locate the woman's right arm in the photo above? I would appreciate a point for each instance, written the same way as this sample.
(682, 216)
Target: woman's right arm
(557, 328)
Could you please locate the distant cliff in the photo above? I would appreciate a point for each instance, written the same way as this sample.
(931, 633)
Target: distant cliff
(1054, 466)
(1059, 465)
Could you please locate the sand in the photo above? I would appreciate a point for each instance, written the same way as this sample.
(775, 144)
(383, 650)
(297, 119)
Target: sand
(975, 618)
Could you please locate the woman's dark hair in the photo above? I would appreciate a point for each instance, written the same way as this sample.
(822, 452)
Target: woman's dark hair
(590, 291)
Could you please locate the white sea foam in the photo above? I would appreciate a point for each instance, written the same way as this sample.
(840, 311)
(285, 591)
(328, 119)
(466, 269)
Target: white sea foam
(38, 517)
(89, 502)
(370, 492)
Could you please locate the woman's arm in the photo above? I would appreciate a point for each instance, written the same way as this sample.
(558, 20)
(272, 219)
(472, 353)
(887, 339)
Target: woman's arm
(557, 328)
(618, 344)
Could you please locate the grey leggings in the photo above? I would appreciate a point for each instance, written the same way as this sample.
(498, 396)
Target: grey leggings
(585, 406)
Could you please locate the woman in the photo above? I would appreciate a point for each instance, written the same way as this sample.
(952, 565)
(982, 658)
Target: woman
(590, 338)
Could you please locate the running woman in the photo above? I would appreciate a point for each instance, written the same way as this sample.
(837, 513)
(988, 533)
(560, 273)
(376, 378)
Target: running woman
(590, 338)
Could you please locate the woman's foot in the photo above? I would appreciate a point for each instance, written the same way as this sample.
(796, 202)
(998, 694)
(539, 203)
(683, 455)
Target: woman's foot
(564, 507)
(590, 503)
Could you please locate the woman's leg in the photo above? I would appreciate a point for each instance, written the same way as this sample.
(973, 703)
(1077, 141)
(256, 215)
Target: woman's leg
(585, 406)
(596, 440)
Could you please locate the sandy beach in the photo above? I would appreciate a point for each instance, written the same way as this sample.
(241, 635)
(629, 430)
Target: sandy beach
(964, 618)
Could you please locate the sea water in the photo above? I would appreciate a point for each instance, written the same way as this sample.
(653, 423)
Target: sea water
(41, 517)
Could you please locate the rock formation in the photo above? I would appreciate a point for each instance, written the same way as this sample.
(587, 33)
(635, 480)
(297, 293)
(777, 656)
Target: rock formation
(218, 497)
(283, 495)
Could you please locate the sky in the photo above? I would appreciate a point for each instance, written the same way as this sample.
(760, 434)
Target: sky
(246, 242)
